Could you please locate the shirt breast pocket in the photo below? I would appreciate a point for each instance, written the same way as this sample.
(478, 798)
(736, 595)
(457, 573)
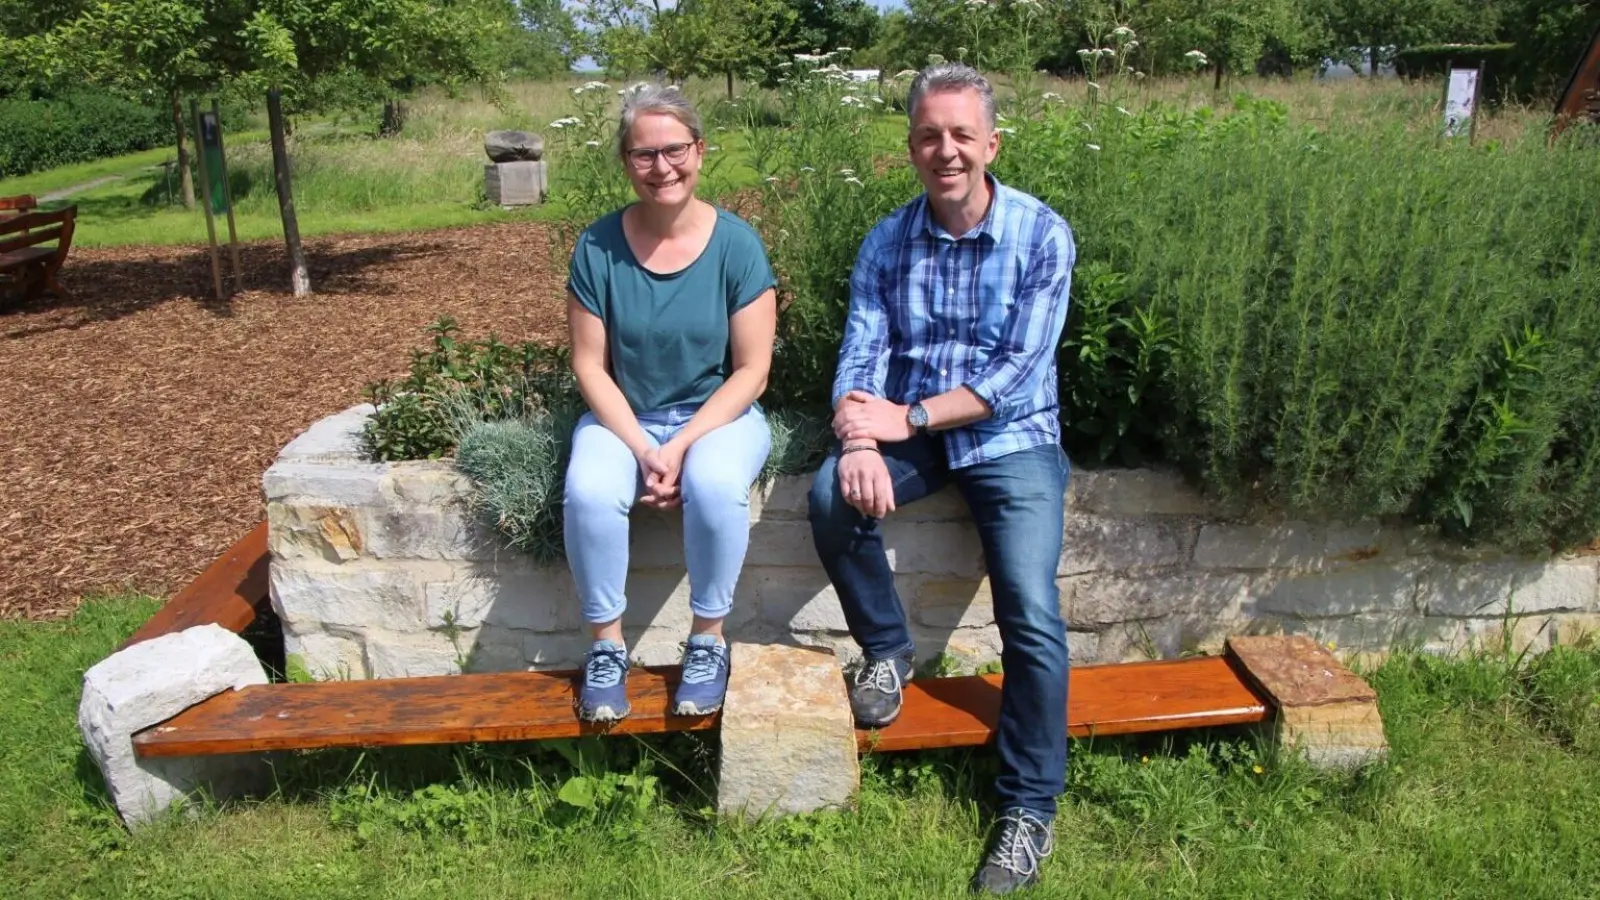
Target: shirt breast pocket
(995, 306)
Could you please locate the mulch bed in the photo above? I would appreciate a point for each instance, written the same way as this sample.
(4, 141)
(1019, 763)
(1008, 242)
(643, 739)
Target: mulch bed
(138, 416)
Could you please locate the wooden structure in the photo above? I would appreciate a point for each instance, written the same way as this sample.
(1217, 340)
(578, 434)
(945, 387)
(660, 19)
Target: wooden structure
(10, 206)
(1580, 102)
(1112, 699)
(33, 245)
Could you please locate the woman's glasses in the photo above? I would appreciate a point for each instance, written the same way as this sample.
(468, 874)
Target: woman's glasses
(645, 157)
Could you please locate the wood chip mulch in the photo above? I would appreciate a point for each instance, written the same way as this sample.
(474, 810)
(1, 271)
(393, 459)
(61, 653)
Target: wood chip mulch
(138, 415)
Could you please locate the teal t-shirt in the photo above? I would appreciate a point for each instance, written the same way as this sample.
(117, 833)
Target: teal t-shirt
(668, 335)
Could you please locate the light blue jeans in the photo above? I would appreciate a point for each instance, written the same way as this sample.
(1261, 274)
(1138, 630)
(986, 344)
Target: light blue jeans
(603, 481)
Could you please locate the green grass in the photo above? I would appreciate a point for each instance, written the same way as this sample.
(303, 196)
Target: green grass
(1492, 791)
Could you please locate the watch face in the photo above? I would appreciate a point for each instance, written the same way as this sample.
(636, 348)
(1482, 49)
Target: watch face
(918, 416)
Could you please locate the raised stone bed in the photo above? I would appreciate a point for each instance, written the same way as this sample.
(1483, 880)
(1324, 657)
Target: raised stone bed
(380, 570)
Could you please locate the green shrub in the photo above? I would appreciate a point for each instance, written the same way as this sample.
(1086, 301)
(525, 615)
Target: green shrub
(76, 127)
(457, 382)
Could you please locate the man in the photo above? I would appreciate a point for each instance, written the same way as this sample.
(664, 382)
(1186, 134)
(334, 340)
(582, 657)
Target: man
(947, 374)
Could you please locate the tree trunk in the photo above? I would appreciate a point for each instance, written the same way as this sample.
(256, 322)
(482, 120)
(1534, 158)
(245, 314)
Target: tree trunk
(730, 84)
(299, 277)
(394, 118)
(1372, 60)
(185, 177)
(1216, 82)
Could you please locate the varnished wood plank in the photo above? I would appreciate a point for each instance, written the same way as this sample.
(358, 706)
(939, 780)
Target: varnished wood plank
(388, 712)
(944, 712)
(226, 593)
(1124, 698)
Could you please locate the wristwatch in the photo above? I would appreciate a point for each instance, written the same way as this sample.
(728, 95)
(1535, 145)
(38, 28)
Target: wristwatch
(917, 418)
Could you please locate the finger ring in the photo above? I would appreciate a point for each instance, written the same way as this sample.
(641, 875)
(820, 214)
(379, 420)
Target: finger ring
(854, 493)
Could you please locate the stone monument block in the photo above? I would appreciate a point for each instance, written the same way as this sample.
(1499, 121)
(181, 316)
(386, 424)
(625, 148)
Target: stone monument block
(516, 183)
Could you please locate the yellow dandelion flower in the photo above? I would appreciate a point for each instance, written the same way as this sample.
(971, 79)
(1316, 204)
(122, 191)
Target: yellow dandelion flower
(1257, 769)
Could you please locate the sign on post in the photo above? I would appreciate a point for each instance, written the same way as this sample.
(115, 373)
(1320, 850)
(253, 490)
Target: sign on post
(217, 193)
(1461, 102)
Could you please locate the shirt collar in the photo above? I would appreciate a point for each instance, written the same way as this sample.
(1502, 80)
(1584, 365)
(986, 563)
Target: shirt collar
(992, 224)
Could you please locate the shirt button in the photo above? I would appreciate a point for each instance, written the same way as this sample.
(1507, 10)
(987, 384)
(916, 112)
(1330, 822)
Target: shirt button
(950, 293)
(944, 371)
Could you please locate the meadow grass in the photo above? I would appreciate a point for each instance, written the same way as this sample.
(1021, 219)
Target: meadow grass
(430, 176)
(1492, 790)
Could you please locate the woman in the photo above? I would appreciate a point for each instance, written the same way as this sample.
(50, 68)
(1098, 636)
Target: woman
(672, 314)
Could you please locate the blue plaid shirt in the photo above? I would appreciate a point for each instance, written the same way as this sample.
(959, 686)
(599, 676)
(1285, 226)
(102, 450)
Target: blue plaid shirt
(930, 312)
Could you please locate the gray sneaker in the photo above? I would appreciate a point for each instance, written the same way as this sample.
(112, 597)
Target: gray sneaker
(1022, 841)
(875, 690)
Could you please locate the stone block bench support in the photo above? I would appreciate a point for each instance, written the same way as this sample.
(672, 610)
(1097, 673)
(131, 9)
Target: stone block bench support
(788, 741)
(1324, 711)
(149, 683)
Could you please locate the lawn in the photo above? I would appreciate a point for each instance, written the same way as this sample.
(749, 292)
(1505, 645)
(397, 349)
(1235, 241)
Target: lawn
(1492, 790)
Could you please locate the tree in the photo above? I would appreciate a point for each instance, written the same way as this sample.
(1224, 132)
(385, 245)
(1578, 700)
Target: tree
(1373, 28)
(293, 42)
(166, 47)
(737, 36)
(823, 26)
(1230, 33)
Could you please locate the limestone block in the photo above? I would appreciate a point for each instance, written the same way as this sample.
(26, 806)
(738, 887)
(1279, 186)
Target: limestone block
(1514, 587)
(949, 549)
(955, 604)
(1136, 492)
(417, 655)
(785, 497)
(1344, 735)
(424, 483)
(446, 531)
(1526, 634)
(1090, 601)
(1572, 629)
(1364, 632)
(149, 683)
(522, 183)
(1340, 592)
(1095, 544)
(308, 594)
(555, 651)
(655, 539)
(943, 506)
(1297, 545)
(793, 599)
(343, 485)
(336, 438)
(328, 533)
(508, 592)
(775, 542)
(327, 656)
(659, 598)
(1322, 709)
(788, 741)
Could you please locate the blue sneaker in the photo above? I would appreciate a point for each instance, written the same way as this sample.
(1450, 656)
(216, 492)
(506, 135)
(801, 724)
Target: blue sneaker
(705, 677)
(604, 697)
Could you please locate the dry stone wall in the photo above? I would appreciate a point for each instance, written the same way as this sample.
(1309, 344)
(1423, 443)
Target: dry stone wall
(381, 570)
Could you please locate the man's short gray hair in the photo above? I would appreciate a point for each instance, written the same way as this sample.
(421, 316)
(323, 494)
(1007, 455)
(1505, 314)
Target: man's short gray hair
(949, 76)
(647, 98)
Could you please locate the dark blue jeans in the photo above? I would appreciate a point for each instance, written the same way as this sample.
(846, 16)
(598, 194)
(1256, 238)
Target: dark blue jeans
(1016, 504)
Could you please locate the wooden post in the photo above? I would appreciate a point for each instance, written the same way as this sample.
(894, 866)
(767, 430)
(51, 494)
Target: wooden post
(227, 195)
(205, 190)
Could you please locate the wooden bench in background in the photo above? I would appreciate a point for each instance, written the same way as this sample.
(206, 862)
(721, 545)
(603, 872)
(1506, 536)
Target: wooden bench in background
(10, 206)
(33, 245)
(1126, 698)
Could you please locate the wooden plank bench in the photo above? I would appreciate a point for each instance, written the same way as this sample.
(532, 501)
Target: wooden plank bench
(10, 206)
(1126, 698)
(25, 260)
